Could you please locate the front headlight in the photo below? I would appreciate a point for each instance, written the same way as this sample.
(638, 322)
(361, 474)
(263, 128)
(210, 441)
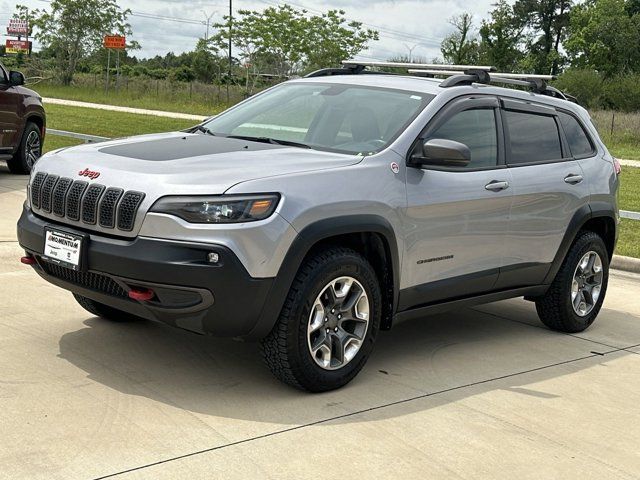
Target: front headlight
(221, 209)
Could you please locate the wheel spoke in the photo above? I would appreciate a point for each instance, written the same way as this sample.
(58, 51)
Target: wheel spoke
(317, 317)
(322, 351)
(354, 295)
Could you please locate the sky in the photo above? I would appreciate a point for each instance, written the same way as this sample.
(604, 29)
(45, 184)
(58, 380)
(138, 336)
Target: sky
(404, 25)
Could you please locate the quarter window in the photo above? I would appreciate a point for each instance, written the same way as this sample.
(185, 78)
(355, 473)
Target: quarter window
(577, 138)
(477, 130)
(533, 137)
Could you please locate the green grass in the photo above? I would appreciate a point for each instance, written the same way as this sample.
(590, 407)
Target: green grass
(104, 123)
(629, 241)
(53, 142)
(196, 98)
(620, 132)
(630, 189)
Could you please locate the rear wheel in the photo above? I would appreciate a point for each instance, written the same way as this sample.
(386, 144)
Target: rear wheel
(104, 311)
(29, 150)
(329, 322)
(575, 297)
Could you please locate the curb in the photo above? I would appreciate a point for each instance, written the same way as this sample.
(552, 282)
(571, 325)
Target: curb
(626, 264)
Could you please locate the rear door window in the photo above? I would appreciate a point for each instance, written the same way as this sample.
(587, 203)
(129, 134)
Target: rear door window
(532, 137)
(577, 138)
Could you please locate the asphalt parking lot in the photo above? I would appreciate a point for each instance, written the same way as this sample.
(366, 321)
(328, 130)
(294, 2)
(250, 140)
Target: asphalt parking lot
(477, 393)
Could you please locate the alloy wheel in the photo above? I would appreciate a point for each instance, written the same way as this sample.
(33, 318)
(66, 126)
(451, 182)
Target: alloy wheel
(33, 148)
(338, 323)
(587, 284)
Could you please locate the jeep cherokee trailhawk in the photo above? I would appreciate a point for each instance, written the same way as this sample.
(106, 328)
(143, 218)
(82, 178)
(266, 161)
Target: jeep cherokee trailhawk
(328, 208)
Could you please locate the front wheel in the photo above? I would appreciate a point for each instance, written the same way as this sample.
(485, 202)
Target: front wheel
(328, 325)
(29, 150)
(575, 297)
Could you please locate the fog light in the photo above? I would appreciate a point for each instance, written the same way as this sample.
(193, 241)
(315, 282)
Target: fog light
(213, 257)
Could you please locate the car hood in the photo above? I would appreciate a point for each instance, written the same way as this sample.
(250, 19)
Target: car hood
(184, 163)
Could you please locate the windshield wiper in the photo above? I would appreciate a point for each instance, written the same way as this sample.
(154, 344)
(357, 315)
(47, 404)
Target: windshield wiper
(203, 129)
(273, 141)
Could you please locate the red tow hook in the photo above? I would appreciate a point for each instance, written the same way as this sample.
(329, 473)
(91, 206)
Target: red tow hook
(141, 294)
(28, 260)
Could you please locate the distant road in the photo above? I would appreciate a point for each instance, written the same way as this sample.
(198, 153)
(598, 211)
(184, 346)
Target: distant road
(115, 108)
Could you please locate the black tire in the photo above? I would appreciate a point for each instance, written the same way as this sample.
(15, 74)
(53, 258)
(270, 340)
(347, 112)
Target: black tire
(555, 308)
(286, 350)
(104, 311)
(23, 160)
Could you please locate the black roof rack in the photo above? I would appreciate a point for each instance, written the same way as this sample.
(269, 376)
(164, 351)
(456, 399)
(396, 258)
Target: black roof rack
(456, 75)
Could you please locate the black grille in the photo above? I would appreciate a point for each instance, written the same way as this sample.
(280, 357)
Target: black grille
(36, 186)
(89, 280)
(74, 200)
(46, 191)
(90, 203)
(80, 201)
(59, 196)
(128, 209)
(108, 206)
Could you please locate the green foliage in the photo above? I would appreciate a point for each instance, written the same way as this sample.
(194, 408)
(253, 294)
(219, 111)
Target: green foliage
(501, 36)
(586, 85)
(286, 41)
(603, 36)
(182, 74)
(74, 29)
(623, 93)
(545, 24)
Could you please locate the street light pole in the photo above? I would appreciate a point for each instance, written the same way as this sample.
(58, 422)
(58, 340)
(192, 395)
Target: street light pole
(411, 49)
(208, 17)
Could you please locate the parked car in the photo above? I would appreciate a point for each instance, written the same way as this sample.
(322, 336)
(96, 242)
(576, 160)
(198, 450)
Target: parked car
(22, 123)
(324, 210)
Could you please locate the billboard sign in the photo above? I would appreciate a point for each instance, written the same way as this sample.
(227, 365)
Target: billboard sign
(115, 42)
(18, 27)
(18, 46)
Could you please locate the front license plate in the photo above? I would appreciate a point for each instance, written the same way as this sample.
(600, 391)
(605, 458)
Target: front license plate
(63, 248)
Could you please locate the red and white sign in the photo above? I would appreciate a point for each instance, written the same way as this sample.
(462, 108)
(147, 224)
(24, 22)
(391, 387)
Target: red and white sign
(18, 27)
(115, 42)
(18, 46)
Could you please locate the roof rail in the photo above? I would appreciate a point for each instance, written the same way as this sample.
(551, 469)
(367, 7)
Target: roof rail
(432, 66)
(536, 83)
(457, 75)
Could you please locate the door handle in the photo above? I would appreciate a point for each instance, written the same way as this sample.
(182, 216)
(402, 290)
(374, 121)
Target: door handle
(496, 186)
(573, 179)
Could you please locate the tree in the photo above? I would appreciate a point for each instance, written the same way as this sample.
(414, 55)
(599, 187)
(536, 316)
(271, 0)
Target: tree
(291, 39)
(74, 29)
(333, 39)
(546, 23)
(460, 47)
(501, 38)
(604, 37)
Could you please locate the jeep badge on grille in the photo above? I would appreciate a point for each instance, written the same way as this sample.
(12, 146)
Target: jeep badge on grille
(88, 173)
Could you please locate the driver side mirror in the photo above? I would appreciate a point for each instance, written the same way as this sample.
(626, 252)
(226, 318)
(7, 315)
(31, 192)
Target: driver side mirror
(16, 79)
(438, 152)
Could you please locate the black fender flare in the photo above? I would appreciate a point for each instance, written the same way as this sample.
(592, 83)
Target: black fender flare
(302, 245)
(579, 219)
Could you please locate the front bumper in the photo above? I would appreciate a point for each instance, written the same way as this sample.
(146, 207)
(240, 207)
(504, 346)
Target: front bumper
(215, 299)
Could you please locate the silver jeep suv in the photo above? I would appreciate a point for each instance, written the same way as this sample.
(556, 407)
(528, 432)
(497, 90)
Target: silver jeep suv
(328, 208)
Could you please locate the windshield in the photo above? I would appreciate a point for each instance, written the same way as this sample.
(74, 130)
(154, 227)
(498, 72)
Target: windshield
(341, 118)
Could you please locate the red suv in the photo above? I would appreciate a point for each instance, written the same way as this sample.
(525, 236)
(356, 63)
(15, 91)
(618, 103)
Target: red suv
(22, 123)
